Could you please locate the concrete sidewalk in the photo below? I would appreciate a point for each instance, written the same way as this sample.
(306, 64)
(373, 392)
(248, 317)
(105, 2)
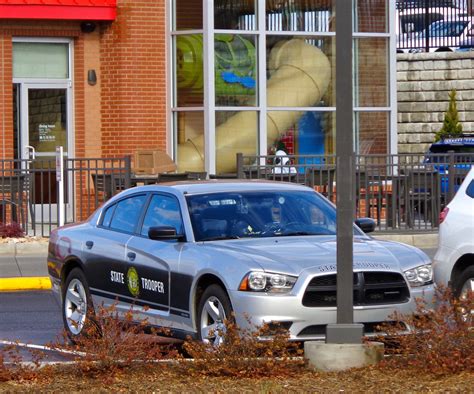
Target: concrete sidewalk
(23, 265)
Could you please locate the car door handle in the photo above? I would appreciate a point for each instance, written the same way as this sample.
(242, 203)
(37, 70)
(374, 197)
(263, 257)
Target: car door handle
(89, 244)
(131, 256)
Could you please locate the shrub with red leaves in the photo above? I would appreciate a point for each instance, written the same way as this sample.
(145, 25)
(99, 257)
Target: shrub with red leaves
(11, 230)
(263, 351)
(442, 339)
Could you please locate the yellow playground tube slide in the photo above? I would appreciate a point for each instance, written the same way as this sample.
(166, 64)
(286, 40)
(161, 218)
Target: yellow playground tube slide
(300, 78)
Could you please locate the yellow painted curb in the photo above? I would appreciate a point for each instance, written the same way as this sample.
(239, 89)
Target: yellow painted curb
(25, 283)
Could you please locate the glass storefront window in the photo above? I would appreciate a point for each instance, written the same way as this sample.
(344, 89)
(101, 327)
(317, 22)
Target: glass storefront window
(299, 109)
(187, 15)
(300, 15)
(47, 119)
(300, 71)
(372, 131)
(40, 60)
(236, 132)
(189, 128)
(301, 133)
(371, 78)
(189, 71)
(371, 16)
(235, 70)
(235, 15)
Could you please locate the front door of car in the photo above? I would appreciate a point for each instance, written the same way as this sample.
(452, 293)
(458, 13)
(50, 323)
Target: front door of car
(153, 261)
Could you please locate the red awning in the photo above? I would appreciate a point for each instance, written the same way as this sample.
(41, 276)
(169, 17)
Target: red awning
(92, 10)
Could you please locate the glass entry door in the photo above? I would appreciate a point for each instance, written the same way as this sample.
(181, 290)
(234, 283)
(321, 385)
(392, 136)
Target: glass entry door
(45, 124)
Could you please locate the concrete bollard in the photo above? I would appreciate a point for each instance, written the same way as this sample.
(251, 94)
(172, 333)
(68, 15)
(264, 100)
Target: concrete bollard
(328, 357)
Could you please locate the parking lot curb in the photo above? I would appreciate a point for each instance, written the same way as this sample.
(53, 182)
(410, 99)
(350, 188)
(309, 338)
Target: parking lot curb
(24, 248)
(425, 240)
(28, 248)
(7, 249)
(25, 283)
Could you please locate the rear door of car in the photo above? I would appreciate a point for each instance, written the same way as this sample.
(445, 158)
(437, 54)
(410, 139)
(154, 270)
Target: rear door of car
(155, 261)
(105, 252)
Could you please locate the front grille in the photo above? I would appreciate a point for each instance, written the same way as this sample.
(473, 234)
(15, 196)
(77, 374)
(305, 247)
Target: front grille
(372, 328)
(370, 288)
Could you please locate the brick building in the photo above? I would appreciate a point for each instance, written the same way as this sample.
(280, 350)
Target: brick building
(200, 80)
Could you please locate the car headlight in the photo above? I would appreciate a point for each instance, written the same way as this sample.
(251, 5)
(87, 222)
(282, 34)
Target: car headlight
(267, 282)
(420, 276)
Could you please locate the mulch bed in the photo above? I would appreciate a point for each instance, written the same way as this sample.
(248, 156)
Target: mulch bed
(160, 378)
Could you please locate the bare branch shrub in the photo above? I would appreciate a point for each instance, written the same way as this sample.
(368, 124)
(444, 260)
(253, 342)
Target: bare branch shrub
(260, 352)
(116, 341)
(441, 341)
(12, 366)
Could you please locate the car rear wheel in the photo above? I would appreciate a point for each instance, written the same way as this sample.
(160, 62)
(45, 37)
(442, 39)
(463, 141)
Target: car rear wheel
(77, 304)
(213, 311)
(465, 283)
(463, 286)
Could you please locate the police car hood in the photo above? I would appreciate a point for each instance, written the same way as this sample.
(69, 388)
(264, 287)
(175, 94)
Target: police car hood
(293, 255)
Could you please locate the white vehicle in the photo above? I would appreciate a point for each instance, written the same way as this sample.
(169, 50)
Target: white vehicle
(410, 22)
(453, 263)
(443, 35)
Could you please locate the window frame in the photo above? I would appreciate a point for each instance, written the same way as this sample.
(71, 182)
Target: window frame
(147, 205)
(114, 206)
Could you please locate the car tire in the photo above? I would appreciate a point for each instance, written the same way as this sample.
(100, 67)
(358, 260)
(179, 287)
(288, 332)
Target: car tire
(213, 310)
(464, 282)
(77, 309)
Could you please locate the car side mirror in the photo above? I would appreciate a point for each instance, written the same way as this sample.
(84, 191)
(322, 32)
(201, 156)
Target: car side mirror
(367, 225)
(163, 232)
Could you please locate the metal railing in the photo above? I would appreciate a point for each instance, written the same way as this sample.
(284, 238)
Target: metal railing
(29, 190)
(400, 192)
(436, 25)
(403, 192)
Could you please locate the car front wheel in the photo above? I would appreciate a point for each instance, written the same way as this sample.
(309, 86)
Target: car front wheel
(213, 311)
(464, 283)
(77, 305)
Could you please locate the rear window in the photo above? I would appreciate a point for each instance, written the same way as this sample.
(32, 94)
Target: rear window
(445, 148)
(470, 189)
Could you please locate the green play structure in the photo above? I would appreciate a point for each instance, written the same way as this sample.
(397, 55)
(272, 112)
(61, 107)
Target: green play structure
(235, 64)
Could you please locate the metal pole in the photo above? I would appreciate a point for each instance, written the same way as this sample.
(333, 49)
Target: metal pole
(451, 171)
(60, 180)
(344, 331)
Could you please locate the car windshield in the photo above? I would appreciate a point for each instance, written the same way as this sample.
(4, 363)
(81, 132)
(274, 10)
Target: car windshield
(259, 214)
(445, 29)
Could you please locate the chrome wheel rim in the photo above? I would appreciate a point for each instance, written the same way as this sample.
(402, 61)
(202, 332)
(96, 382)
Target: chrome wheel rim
(467, 288)
(212, 321)
(75, 306)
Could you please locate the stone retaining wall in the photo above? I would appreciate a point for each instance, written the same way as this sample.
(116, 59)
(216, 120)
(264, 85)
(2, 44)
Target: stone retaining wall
(423, 82)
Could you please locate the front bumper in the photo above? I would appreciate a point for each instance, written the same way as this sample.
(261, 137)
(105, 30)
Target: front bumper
(443, 263)
(252, 310)
(56, 288)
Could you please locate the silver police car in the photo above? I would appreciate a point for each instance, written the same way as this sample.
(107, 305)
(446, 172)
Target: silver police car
(187, 255)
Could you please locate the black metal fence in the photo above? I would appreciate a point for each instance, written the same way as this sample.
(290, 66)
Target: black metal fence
(29, 190)
(433, 25)
(400, 192)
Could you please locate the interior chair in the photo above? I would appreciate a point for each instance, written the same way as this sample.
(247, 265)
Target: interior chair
(16, 192)
(423, 197)
(108, 184)
(173, 177)
(196, 175)
(321, 179)
(369, 193)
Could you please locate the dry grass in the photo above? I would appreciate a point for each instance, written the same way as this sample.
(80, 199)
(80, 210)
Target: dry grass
(120, 358)
(161, 378)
